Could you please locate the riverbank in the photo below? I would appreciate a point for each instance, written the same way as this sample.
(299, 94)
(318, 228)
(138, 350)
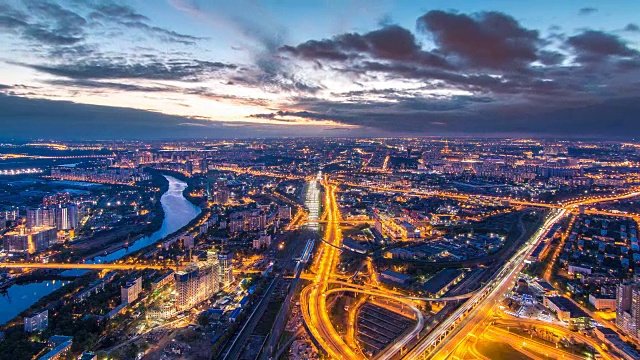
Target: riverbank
(121, 236)
(179, 214)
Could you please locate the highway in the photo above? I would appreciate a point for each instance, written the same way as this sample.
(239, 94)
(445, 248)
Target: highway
(449, 333)
(313, 298)
(469, 317)
(556, 328)
(529, 346)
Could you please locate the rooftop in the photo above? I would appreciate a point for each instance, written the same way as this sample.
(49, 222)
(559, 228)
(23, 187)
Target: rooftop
(441, 280)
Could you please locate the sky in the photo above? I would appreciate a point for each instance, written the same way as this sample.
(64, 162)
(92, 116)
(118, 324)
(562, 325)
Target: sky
(88, 69)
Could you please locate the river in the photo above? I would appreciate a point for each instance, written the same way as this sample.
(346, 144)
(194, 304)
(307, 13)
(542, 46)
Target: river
(178, 212)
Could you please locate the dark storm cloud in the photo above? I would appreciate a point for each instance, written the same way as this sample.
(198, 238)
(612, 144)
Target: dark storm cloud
(484, 40)
(519, 81)
(587, 11)
(595, 46)
(392, 42)
(105, 68)
(280, 116)
(47, 119)
(474, 117)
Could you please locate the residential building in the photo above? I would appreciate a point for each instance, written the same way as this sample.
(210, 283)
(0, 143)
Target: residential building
(130, 292)
(225, 260)
(36, 322)
(60, 346)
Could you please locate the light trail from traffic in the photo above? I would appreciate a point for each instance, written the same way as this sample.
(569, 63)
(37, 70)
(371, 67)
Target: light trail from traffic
(313, 298)
(466, 316)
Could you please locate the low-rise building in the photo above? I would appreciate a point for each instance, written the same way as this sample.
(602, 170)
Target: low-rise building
(163, 280)
(601, 302)
(163, 312)
(93, 288)
(395, 277)
(60, 346)
(567, 311)
(88, 355)
(440, 283)
(614, 342)
(574, 270)
(355, 246)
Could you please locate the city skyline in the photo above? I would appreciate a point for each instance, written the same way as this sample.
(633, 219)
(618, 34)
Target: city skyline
(188, 69)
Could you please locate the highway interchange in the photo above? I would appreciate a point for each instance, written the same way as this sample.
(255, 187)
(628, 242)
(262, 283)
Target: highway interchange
(467, 319)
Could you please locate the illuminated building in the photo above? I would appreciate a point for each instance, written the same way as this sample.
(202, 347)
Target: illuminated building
(602, 302)
(30, 240)
(57, 199)
(67, 217)
(60, 347)
(34, 218)
(130, 292)
(263, 240)
(241, 221)
(284, 212)
(64, 217)
(441, 282)
(567, 310)
(198, 282)
(226, 267)
(162, 281)
(162, 312)
(628, 308)
(36, 322)
(221, 196)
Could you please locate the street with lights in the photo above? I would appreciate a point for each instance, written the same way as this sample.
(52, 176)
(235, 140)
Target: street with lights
(468, 321)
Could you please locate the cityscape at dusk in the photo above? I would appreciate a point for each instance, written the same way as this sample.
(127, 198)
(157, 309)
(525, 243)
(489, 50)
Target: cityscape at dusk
(343, 180)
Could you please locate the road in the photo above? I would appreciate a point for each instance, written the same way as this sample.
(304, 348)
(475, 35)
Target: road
(529, 346)
(313, 298)
(467, 319)
(449, 333)
(556, 328)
